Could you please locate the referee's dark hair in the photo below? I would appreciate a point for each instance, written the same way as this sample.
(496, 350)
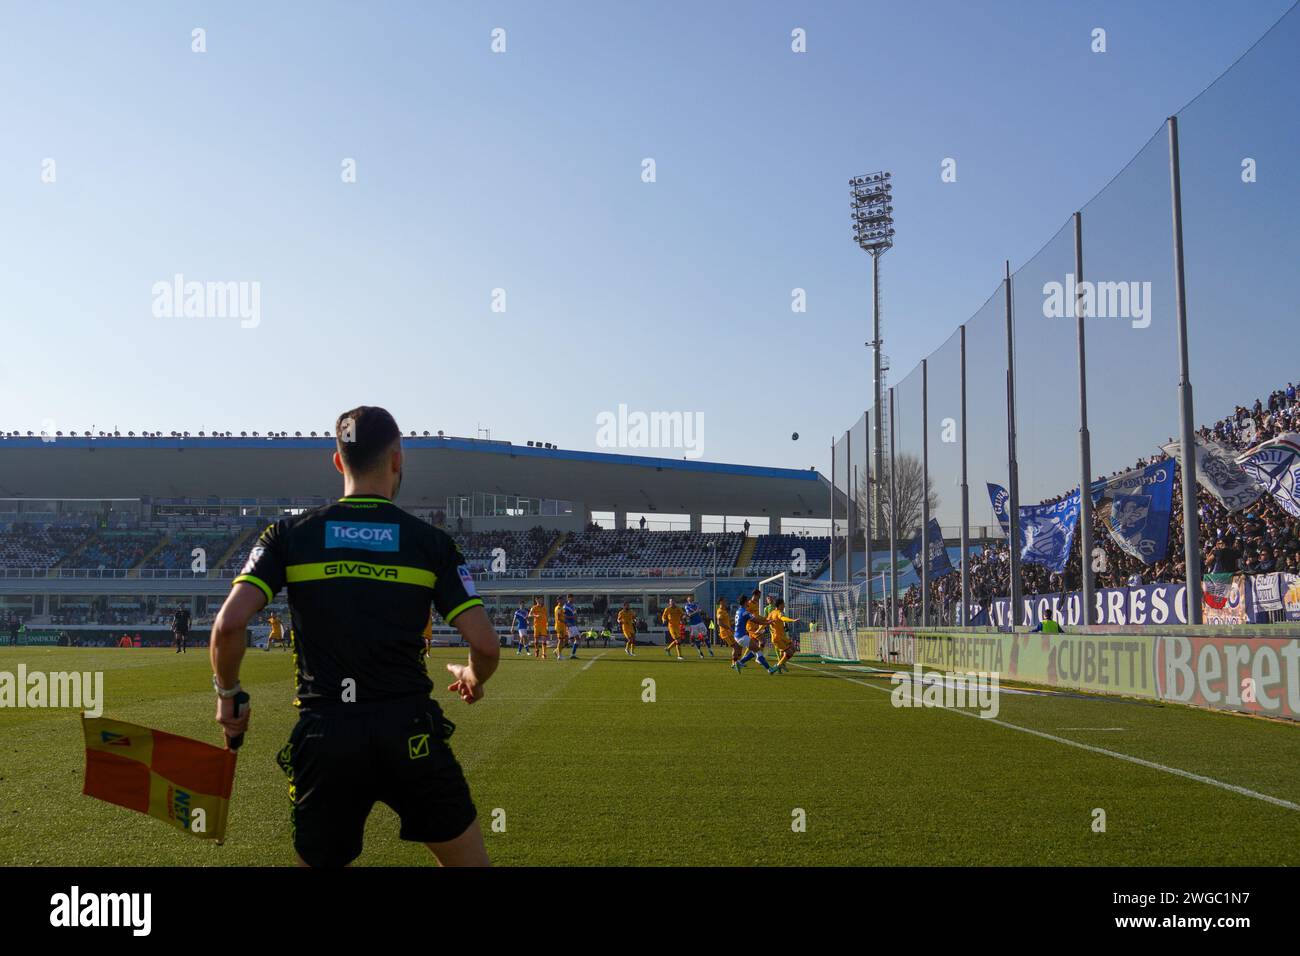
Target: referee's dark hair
(364, 435)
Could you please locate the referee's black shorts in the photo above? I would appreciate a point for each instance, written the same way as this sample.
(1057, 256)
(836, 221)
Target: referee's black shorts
(340, 761)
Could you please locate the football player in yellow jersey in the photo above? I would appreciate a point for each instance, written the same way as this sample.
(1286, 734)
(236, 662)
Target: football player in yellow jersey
(672, 616)
(561, 629)
(277, 632)
(538, 614)
(428, 630)
(755, 626)
(722, 615)
(777, 621)
(627, 621)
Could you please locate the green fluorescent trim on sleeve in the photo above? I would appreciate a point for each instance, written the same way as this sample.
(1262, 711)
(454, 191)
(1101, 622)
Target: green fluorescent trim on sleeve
(456, 612)
(250, 579)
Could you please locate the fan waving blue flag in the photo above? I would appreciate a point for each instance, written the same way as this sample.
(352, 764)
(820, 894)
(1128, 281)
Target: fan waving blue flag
(1135, 509)
(998, 499)
(1047, 532)
(939, 563)
(1275, 467)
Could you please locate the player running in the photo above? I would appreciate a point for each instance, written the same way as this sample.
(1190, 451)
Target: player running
(749, 634)
(520, 627)
(695, 630)
(777, 620)
(627, 622)
(538, 614)
(672, 616)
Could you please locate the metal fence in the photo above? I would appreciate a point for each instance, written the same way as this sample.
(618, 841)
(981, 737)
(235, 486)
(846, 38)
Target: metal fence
(1082, 361)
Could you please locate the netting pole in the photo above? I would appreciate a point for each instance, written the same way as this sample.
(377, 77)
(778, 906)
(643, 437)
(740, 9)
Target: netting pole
(848, 511)
(965, 493)
(854, 513)
(893, 518)
(1085, 440)
(831, 561)
(1191, 524)
(866, 515)
(925, 493)
(1013, 470)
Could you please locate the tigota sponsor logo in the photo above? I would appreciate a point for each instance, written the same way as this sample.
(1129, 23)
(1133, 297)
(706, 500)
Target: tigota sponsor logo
(361, 534)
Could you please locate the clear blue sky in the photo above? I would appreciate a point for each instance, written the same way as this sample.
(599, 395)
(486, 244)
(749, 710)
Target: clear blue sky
(522, 171)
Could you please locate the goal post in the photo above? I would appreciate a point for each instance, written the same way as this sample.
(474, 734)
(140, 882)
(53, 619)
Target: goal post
(777, 586)
(830, 615)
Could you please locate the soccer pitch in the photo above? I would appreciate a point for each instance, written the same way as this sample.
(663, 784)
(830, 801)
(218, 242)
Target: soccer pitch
(582, 769)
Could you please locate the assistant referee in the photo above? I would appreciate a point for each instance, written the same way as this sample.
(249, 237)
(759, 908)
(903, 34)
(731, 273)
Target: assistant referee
(361, 574)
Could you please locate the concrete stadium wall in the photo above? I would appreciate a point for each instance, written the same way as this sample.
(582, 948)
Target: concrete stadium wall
(1221, 670)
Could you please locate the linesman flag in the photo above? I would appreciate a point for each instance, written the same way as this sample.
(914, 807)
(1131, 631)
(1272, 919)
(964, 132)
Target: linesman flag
(185, 783)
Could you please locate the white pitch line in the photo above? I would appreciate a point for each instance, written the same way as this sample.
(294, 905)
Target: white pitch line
(1089, 728)
(594, 659)
(1150, 764)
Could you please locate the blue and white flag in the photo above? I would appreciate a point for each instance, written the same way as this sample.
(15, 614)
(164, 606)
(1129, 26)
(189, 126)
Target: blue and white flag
(1218, 473)
(1135, 509)
(939, 563)
(1275, 467)
(1047, 532)
(998, 498)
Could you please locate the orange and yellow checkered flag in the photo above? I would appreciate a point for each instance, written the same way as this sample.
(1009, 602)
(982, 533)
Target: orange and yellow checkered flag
(183, 782)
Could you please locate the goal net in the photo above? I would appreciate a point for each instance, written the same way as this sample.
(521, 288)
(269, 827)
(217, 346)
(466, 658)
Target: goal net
(830, 615)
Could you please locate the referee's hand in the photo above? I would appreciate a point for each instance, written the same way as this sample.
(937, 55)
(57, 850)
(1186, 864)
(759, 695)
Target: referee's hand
(234, 723)
(466, 683)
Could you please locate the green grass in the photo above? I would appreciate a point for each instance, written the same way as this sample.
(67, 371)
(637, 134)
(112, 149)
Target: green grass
(709, 773)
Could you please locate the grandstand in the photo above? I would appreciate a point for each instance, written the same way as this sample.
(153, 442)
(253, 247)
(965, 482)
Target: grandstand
(102, 536)
(632, 553)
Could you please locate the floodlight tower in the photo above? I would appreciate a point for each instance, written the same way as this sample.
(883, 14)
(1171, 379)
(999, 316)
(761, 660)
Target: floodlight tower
(871, 206)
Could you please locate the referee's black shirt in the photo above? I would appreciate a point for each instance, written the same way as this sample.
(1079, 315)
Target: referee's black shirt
(361, 574)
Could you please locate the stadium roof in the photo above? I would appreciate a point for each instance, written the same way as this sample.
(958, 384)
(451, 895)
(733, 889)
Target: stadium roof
(284, 468)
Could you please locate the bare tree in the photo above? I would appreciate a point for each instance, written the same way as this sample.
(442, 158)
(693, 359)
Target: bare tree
(910, 480)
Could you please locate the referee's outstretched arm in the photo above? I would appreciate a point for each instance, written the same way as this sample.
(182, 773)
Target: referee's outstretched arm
(484, 654)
